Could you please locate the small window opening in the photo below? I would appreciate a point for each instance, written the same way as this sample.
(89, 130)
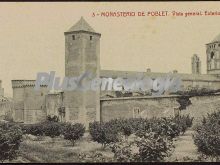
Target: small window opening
(73, 37)
(212, 55)
(90, 37)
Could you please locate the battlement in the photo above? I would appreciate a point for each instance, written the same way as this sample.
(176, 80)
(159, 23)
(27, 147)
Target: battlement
(24, 83)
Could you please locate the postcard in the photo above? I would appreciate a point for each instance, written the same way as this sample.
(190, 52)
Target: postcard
(109, 82)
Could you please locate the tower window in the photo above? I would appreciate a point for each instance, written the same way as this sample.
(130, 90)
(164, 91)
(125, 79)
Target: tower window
(73, 37)
(90, 37)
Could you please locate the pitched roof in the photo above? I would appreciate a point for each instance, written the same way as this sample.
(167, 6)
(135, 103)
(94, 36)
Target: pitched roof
(81, 25)
(184, 76)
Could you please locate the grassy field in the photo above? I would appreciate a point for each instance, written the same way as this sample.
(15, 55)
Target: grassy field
(48, 150)
(57, 150)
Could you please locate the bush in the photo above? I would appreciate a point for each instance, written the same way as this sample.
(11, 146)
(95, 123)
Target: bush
(51, 129)
(104, 133)
(183, 122)
(207, 135)
(33, 129)
(47, 128)
(73, 132)
(96, 130)
(150, 147)
(165, 127)
(10, 139)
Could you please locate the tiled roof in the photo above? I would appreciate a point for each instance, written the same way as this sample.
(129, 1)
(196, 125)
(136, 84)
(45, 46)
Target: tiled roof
(184, 76)
(81, 25)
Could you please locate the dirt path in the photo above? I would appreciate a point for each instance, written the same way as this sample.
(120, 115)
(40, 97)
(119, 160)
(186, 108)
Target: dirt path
(185, 149)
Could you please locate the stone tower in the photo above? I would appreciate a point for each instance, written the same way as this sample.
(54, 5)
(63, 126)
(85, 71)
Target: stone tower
(196, 64)
(29, 105)
(82, 49)
(213, 57)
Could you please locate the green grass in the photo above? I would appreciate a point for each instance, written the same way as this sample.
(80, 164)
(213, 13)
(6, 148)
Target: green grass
(57, 150)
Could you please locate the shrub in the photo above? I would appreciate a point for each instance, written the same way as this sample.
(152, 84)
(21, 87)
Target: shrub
(108, 132)
(183, 122)
(125, 150)
(96, 130)
(207, 135)
(33, 129)
(165, 127)
(150, 147)
(104, 133)
(10, 138)
(73, 132)
(153, 147)
(111, 132)
(161, 126)
(47, 128)
(51, 129)
(127, 129)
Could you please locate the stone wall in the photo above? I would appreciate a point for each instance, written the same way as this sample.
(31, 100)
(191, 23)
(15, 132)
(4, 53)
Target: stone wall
(29, 105)
(201, 105)
(53, 103)
(162, 106)
(34, 104)
(129, 107)
(18, 98)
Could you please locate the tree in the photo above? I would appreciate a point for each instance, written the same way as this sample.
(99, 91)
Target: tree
(73, 132)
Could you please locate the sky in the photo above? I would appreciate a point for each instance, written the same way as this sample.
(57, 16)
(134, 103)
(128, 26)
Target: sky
(32, 36)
